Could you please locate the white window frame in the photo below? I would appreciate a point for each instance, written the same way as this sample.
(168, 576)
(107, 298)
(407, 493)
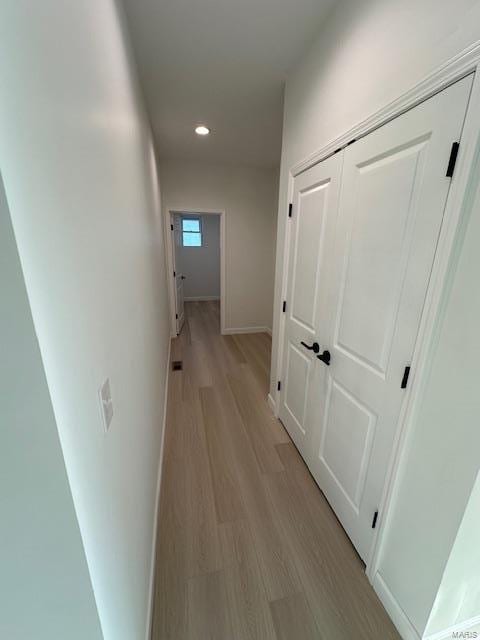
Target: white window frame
(199, 232)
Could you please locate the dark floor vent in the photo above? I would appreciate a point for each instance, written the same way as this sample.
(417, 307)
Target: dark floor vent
(177, 365)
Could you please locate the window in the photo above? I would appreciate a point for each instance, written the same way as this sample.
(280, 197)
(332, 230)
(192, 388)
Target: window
(191, 232)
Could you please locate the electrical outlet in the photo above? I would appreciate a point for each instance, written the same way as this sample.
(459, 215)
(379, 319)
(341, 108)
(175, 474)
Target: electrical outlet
(106, 403)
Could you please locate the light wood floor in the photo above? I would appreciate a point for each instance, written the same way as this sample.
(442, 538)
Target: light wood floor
(248, 547)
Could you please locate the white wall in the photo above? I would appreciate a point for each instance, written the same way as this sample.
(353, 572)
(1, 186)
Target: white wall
(45, 589)
(79, 173)
(201, 265)
(249, 198)
(366, 55)
(458, 597)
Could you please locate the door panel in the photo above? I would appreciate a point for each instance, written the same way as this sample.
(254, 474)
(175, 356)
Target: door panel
(296, 385)
(392, 199)
(347, 441)
(315, 203)
(310, 228)
(379, 232)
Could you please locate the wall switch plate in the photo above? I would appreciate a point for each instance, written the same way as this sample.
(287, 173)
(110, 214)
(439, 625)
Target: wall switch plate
(106, 403)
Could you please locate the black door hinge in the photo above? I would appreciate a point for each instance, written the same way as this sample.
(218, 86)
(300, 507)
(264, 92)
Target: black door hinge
(290, 210)
(174, 274)
(176, 316)
(453, 159)
(375, 518)
(171, 227)
(406, 373)
(284, 306)
(279, 385)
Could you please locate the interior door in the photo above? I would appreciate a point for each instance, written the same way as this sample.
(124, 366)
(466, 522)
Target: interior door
(179, 277)
(315, 203)
(393, 195)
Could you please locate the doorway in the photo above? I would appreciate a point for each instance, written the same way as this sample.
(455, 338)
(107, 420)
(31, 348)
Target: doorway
(195, 252)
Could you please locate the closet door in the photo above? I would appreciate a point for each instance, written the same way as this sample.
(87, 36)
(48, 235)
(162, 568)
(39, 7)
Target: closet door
(315, 204)
(393, 194)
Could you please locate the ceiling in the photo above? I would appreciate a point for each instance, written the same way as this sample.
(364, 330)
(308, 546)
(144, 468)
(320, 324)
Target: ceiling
(222, 63)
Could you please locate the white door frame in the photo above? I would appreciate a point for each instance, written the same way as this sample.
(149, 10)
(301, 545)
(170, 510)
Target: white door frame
(457, 207)
(169, 211)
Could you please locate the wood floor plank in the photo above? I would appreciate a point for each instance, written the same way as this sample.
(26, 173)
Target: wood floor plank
(294, 620)
(262, 344)
(252, 416)
(187, 491)
(208, 612)
(233, 347)
(196, 362)
(169, 611)
(228, 501)
(334, 535)
(258, 363)
(305, 545)
(246, 596)
(278, 571)
(203, 550)
(276, 432)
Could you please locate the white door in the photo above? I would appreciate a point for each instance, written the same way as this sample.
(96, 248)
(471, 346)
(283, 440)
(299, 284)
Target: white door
(393, 194)
(177, 268)
(315, 203)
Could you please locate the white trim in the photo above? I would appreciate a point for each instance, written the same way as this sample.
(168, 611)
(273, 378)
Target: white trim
(456, 68)
(282, 316)
(226, 331)
(157, 500)
(447, 634)
(167, 221)
(168, 211)
(269, 331)
(201, 298)
(399, 618)
(272, 405)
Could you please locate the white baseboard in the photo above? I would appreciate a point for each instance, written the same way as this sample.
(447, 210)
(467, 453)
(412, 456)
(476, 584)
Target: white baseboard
(201, 298)
(157, 501)
(399, 618)
(232, 330)
(269, 331)
(272, 404)
(458, 629)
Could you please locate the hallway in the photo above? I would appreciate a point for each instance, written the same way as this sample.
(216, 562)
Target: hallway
(247, 546)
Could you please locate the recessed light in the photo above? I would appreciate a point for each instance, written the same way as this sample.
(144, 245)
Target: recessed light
(202, 130)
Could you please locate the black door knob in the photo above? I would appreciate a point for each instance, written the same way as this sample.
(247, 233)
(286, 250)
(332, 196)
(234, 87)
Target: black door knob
(315, 347)
(325, 357)
(183, 277)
